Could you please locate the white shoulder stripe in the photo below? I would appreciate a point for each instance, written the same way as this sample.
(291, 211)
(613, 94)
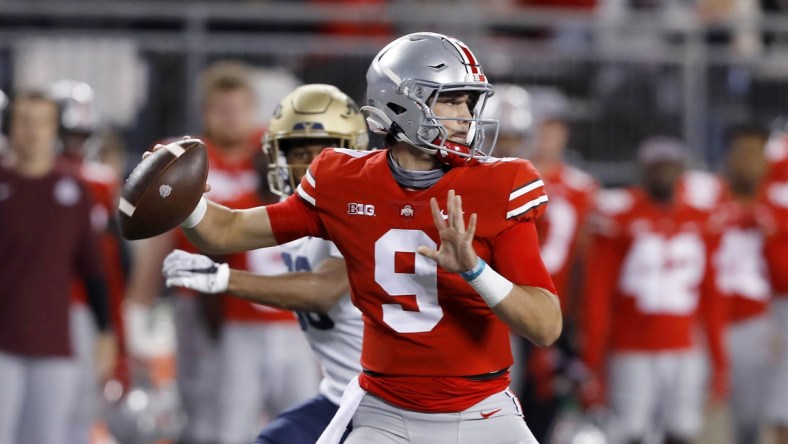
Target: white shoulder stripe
(309, 178)
(353, 153)
(526, 189)
(534, 203)
(304, 195)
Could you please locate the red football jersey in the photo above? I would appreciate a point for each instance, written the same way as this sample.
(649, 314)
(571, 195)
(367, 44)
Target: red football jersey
(739, 260)
(421, 322)
(647, 277)
(571, 194)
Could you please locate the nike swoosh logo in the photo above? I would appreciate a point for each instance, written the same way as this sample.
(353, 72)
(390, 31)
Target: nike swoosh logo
(487, 415)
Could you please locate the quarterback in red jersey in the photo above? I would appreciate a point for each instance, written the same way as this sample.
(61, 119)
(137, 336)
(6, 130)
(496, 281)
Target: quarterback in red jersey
(436, 315)
(649, 284)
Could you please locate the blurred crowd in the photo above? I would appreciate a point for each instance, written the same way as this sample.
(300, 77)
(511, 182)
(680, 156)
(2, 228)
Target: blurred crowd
(674, 289)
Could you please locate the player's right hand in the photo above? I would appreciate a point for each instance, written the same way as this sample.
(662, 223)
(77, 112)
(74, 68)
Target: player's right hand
(196, 272)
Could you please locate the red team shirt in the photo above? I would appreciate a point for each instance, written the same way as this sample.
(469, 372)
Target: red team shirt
(648, 279)
(739, 261)
(424, 328)
(571, 194)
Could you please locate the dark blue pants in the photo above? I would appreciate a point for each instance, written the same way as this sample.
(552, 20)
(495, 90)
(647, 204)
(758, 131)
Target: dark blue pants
(302, 424)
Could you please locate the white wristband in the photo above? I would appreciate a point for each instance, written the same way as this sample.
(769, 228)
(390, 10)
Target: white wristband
(197, 215)
(490, 285)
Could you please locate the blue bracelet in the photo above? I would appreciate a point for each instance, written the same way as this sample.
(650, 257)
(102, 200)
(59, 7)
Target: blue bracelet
(474, 272)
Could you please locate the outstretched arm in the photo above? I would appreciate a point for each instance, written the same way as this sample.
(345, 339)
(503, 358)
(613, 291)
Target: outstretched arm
(222, 230)
(533, 312)
(316, 291)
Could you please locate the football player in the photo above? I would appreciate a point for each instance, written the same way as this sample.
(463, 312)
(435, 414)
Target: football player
(742, 278)
(439, 289)
(647, 284)
(309, 119)
(79, 144)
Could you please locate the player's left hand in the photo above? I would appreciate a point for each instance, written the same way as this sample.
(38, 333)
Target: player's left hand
(196, 272)
(455, 253)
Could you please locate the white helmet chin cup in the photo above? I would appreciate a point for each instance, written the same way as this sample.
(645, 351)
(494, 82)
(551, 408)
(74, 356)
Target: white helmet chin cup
(409, 74)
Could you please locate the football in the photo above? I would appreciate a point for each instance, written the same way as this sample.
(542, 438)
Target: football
(163, 189)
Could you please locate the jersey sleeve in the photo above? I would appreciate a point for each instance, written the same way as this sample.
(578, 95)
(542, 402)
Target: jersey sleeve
(527, 199)
(299, 215)
(602, 264)
(293, 218)
(516, 256)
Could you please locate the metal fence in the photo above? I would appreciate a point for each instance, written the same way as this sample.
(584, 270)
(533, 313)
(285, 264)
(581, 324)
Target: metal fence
(627, 75)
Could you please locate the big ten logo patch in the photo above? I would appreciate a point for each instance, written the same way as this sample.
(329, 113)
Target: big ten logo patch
(361, 209)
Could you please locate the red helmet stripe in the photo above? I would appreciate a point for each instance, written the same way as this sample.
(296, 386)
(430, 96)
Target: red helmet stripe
(471, 65)
(472, 61)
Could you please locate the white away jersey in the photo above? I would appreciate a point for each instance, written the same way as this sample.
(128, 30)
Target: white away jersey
(335, 337)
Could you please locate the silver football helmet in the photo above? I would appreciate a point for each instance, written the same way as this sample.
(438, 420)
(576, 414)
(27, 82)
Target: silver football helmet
(77, 106)
(512, 107)
(405, 80)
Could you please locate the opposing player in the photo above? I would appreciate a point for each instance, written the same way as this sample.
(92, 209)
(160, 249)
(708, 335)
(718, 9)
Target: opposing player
(309, 119)
(436, 315)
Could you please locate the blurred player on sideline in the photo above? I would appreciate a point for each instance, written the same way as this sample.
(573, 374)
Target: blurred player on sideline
(79, 143)
(232, 356)
(419, 276)
(309, 119)
(648, 281)
(46, 242)
(742, 278)
(534, 126)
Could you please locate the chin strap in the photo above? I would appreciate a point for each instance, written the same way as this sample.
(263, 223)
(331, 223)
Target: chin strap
(451, 157)
(380, 123)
